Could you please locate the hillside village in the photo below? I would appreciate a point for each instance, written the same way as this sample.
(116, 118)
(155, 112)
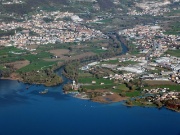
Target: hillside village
(36, 31)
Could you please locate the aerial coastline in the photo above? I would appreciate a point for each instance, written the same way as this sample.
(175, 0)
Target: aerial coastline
(89, 67)
(110, 54)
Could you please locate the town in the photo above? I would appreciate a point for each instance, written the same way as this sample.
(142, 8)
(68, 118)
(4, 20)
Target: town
(154, 65)
(75, 67)
(47, 27)
(129, 53)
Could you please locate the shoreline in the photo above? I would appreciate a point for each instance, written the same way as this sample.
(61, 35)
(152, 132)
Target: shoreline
(152, 106)
(8, 78)
(101, 99)
(13, 77)
(109, 99)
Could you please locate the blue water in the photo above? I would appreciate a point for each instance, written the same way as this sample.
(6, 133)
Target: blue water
(26, 112)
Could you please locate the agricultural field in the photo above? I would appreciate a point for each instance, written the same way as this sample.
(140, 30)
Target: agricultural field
(19, 64)
(174, 29)
(59, 52)
(8, 50)
(2, 67)
(157, 83)
(98, 81)
(120, 88)
(133, 93)
(175, 53)
(84, 75)
(11, 54)
(116, 61)
(36, 65)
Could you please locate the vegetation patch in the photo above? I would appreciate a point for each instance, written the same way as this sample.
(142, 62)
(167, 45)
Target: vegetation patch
(133, 93)
(121, 88)
(19, 64)
(158, 83)
(37, 65)
(2, 67)
(90, 80)
(174, 29)
(175, 53)
(59, 52)
(172, 87)
(46, 77)
(116, 61)
(10, 50)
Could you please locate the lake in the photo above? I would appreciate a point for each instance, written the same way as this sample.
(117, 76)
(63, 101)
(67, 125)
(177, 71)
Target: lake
(26, 112)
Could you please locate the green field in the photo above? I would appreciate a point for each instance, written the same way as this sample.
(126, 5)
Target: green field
(133, 93)
(173, 12)
(36, 62)
(98, 81)
(8, 50)
(108, 84)
(48, 47)
(105, 21)
(171, 87)
(6, 54)
(132, 49)
(2, 67)
(174, 29)
(93, 87)
(40, 55)
(83, 75)
(12, 58)
(116, 61)
(174, 52)
(37, 65)
(98, 51)
(122, 87)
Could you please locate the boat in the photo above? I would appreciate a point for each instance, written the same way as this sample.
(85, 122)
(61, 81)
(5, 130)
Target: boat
(44, 91)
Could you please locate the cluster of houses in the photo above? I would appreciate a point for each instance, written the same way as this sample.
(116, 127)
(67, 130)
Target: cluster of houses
(161, 94)
(175, 77)
(154, 8)
(125, 77)
(37, 30)
(9, 2)
(172, 63)
(150, 39)
(169, 66)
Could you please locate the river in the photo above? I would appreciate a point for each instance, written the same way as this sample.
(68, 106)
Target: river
(26, 112)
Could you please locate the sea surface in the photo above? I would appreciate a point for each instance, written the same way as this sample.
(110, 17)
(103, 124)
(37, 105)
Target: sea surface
(24, 111)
